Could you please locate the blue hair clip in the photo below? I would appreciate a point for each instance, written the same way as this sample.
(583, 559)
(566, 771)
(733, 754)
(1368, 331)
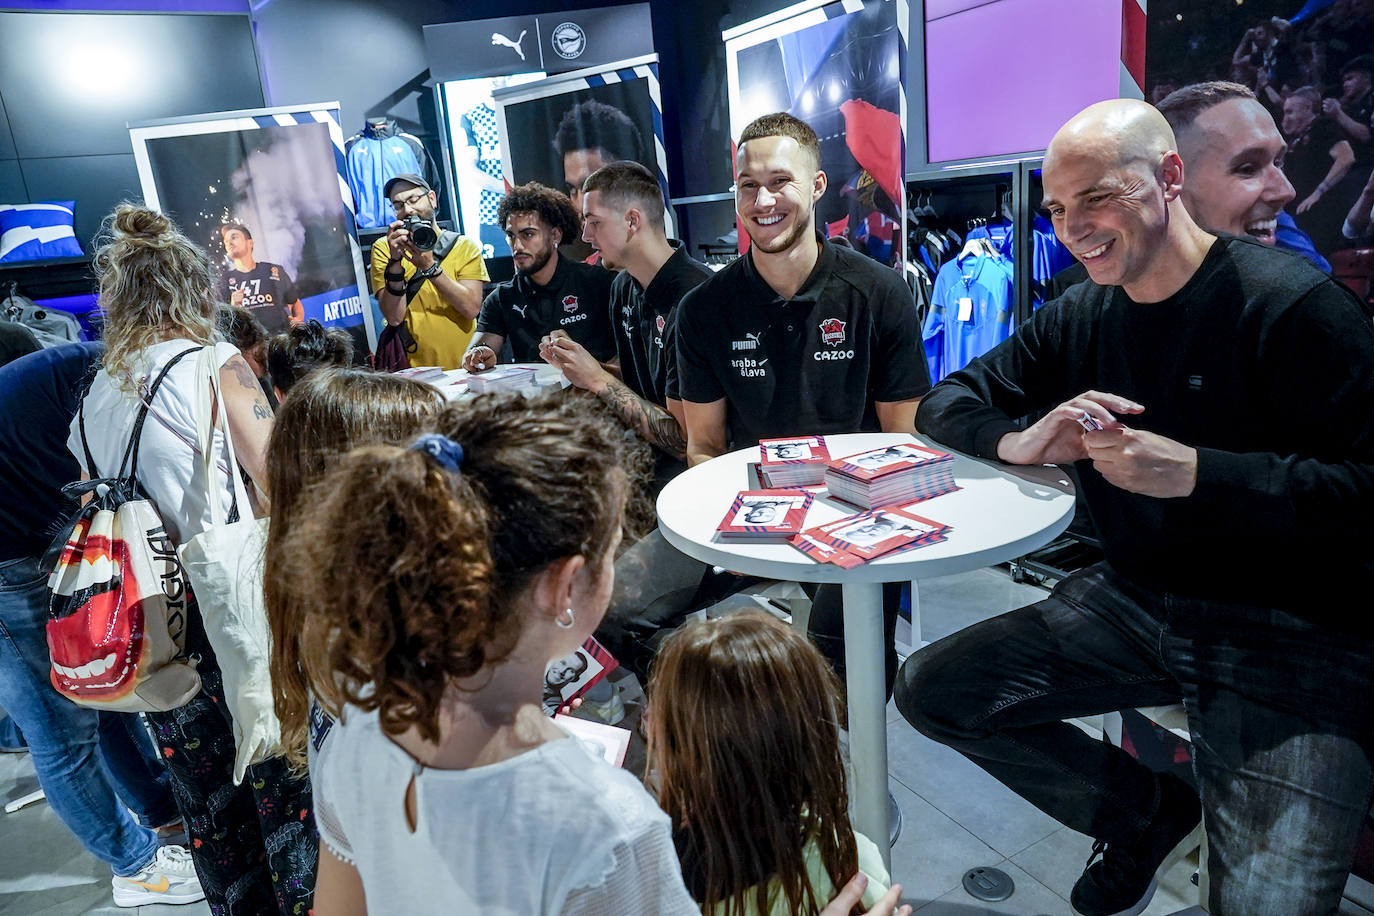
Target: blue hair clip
(446, 453)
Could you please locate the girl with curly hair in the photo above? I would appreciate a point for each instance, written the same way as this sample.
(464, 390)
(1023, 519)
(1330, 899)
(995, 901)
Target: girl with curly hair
(426, 621)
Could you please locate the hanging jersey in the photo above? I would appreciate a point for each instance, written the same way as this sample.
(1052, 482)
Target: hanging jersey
(371, 162)
(971, 312)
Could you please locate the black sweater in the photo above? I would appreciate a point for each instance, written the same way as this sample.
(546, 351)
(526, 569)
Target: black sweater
(1262, 363)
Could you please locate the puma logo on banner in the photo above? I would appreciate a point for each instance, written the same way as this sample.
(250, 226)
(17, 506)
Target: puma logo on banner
(498, 39)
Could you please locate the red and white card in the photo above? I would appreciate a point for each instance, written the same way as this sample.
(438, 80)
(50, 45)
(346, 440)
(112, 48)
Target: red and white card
(775, 514)
(822, 552)
(891, 459)
(799, 461)
(895, 474)
(878, 531)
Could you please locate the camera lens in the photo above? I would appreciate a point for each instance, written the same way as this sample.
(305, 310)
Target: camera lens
(423, 236)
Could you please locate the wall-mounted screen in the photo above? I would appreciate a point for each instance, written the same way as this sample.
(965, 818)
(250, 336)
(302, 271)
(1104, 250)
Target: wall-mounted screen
(1001, 77)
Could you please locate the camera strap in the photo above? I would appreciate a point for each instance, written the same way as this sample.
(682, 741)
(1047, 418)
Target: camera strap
(447, 239)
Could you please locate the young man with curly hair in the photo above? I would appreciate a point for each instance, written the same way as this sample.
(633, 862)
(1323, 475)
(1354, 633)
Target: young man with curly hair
(548, 293)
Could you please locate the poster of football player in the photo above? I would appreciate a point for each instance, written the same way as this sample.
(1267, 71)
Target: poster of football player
(261, 192)
(1296, 109)
(476, 144)
(559, 130)
(840, 72)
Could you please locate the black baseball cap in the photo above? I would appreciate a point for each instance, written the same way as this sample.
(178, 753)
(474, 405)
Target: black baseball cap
(408, 178)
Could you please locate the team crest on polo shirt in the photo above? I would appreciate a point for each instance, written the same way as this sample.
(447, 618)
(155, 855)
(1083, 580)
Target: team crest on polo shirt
(569, 303)
(659, 323)
(832, 331)
(276, 275)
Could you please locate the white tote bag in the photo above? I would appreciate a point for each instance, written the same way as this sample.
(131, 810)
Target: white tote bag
(225, 565)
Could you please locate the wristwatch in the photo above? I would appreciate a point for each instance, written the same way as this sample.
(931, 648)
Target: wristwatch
(432, 270)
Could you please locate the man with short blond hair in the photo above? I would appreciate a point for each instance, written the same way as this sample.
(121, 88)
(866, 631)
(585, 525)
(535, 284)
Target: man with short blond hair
(798, 337)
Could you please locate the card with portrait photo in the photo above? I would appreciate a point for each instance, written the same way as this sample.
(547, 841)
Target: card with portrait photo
(567, 678)
(878, 531)
(765, 514)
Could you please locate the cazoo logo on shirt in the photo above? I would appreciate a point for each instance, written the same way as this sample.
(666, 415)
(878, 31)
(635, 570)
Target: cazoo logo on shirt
(570, 305)
(832, 335)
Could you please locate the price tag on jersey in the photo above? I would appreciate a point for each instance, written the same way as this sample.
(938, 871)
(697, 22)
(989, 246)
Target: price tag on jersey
(965, 308)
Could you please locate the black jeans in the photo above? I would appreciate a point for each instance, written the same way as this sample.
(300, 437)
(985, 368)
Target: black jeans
(1281, 713)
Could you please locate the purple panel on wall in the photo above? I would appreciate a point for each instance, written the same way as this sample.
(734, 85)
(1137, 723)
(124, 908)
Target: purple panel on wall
(129, 6)
(1002, 77)
(938, 9)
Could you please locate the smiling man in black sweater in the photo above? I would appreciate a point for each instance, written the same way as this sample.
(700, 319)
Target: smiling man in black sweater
(1217, 397)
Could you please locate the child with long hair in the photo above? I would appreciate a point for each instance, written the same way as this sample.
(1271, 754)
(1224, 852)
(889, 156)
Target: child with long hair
(433, 584)
(327, 413)
(743, 734)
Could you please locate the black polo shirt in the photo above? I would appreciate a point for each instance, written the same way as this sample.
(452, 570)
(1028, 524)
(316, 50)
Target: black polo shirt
(813, 364)
(644, 320)
(576, 300)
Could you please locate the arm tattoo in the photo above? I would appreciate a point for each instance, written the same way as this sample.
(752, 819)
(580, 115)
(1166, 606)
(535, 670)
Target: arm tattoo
(651, 421)
(244, 374)
(261, 411)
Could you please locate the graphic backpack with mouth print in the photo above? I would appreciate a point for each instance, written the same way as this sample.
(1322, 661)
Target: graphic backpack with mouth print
(119, 599)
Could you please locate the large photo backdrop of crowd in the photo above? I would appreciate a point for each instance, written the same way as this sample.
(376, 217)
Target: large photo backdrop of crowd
(1312, 65)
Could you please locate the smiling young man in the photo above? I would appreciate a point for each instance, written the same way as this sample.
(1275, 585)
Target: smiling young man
(798, 337)
(1233, 154)
(548, 292)
(1231, 481)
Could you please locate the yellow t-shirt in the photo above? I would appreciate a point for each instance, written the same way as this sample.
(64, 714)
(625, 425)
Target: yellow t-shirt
(870, 863)
(441, 334)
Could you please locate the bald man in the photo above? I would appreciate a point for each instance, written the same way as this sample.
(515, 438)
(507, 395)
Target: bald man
(1217, 397)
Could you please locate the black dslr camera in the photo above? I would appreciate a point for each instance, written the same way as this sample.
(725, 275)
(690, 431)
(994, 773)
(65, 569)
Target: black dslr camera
(422, 234)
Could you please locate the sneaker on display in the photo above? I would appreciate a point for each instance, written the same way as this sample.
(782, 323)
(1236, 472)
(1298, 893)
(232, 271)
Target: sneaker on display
(1123, 880)
(169, 878)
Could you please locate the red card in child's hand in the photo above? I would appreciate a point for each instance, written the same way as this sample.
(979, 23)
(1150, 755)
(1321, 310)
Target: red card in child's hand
(567, 678)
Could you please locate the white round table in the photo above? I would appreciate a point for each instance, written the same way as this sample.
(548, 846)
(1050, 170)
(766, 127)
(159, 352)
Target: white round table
(1000, 513)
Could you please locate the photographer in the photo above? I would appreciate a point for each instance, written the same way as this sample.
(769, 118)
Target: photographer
(427, 278)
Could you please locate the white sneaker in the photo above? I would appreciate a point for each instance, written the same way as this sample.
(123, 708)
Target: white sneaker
(169, 878)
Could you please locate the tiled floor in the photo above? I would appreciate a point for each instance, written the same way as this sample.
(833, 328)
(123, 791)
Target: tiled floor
(955, 816)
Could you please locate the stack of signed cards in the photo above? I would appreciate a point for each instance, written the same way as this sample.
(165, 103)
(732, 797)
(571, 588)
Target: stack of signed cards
(765, 515)
(793, 462)
(431, 374)
(502, 378)
(899, 473)
(855, 538)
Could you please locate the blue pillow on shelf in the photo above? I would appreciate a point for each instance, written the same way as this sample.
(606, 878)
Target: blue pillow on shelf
(37, 232)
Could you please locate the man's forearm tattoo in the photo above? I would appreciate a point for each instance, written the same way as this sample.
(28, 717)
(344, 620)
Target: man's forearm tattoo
(654, 423)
